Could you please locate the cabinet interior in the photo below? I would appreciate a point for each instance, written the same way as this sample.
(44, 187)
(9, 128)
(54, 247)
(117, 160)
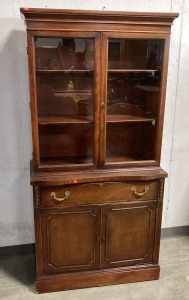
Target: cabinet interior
(67, 107)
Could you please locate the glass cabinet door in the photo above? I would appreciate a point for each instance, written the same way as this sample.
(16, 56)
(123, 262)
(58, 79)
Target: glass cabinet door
(66, 100)
(133, 80)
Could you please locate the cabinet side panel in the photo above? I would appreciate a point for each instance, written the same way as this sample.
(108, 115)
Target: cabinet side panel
(33, 104)
(158, 222)
(38, 233)
(162, 101)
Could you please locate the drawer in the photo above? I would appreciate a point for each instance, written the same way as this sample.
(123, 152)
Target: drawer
(96, 193)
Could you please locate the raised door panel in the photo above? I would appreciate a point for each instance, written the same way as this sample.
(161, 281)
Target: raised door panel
(70, 239)
(128, 233)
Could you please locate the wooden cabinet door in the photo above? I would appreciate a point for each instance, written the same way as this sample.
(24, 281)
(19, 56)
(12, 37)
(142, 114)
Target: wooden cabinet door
(127, 233)
(71, 239)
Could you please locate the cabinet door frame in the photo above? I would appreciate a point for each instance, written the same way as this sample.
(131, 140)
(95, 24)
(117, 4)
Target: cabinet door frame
(47, 215)
(33, 97)
(110, 208)
(103, 112)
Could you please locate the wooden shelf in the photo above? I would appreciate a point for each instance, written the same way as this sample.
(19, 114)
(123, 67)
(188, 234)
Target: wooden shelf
(66, 161)
(88, 71)
(119, 159)
(130, 71)
(57, 120)
(71, 91)
(129, 158)
(50, 120)
(85, 160)
(63, 71)
(126, 119)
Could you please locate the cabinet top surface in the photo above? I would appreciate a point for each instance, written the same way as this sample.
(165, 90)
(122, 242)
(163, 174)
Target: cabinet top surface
(31, 13)
(126, 174)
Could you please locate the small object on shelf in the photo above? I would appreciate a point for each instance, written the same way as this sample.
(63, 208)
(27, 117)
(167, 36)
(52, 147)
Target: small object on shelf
(125, 109)
(70, 84)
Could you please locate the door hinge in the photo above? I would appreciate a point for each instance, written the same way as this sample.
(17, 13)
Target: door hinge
(27, 50)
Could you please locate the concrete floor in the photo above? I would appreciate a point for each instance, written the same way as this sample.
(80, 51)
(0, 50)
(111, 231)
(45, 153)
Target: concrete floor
(17, 275)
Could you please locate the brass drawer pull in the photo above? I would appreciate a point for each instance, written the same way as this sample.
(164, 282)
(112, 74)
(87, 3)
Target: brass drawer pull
(146, 189)
(53, 195)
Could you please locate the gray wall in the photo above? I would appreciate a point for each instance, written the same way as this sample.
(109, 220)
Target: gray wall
(16, 213)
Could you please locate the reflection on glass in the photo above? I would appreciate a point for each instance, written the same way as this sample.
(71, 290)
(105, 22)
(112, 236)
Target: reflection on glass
(64, 53)
(134, 54)
(65, 94)
(133, 95)
(65, 99)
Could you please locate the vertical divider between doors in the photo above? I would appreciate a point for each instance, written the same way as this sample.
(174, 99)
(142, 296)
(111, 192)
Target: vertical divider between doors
(103, 100)
(97, 78)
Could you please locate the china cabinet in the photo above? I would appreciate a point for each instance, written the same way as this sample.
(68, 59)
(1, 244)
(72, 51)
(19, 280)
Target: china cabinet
(97, 94)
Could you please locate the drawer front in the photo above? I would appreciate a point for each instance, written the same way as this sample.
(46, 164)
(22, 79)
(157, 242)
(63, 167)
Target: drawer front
(96, 193)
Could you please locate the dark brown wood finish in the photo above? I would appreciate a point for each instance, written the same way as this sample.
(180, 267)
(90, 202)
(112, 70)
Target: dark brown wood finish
(96, 193)
(33, 104)
(158, 221)
(58, 19)
(38, 232)
(127, 174)
(102, 277)
(127, 233)
(67, 19)
(105, 117)
(162, 103)
(71, 239)
(102, 224)
(97, 100)
(33, 99)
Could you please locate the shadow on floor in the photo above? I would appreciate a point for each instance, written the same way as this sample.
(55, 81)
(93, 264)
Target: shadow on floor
(17, 270)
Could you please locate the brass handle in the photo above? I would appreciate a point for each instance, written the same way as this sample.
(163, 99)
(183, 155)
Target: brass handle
(66, 195)
(146, 189)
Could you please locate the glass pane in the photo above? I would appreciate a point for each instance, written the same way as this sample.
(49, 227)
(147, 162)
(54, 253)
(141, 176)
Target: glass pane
(65, 99)
(133, 96)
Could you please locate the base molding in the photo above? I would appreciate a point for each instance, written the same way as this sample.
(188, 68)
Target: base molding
(172, 232)
(87, 279)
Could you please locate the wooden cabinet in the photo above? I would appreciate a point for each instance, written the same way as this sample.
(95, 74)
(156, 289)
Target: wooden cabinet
(97, 93)
(77, 239)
